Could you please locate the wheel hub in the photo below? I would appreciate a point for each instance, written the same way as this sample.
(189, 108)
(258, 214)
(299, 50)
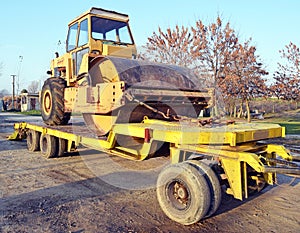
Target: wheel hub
(47, 102)
(181, 193)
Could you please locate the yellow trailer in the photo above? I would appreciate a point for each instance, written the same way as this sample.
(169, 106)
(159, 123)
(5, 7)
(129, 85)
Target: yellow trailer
(203, 158)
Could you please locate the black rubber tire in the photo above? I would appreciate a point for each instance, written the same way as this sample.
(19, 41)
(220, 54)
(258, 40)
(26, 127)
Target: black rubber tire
(33, 140)
(183, 193)
(52, 102)
(214, 185)
(62, 147)
(48, 145)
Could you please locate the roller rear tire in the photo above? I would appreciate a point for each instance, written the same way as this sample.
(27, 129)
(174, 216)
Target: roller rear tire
(52, 102)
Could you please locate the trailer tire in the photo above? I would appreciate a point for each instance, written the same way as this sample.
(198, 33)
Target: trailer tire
(213, 183)
(183, 193)
(48, 145)
(33, 140)
(52, 102)
(62, 147)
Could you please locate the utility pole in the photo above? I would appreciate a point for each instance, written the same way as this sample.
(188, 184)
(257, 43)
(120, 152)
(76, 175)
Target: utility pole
(18, 76)
(13, 90)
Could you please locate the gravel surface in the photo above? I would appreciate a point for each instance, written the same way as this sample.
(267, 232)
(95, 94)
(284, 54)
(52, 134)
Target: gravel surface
(94, 192)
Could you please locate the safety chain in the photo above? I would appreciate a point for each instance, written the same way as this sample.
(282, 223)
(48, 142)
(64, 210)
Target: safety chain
(169, 116)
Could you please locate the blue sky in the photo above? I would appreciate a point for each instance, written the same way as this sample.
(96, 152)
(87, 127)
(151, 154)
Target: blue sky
(32, 28)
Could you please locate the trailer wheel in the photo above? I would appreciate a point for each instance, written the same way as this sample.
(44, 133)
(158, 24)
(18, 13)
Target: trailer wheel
(33, 140)
(213, 183)
(48, 145)
(62, 147)
(183, 193)
(52, 102)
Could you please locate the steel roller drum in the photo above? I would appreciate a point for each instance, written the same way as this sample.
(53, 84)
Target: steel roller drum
(142, 73)
(135, 74)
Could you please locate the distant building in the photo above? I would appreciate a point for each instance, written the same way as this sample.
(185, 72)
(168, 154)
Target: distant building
(29, 102)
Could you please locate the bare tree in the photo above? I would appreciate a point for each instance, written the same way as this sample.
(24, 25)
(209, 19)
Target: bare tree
(287, 77)
(33, 87)
(215, 53)
(171, 47)
(212, 46)
(244, 76)
(204, 48)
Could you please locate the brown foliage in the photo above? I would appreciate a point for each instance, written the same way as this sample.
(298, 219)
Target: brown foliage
(287, 78)
(212, 47)
(172, 46)
(244, 73)
(215, 53)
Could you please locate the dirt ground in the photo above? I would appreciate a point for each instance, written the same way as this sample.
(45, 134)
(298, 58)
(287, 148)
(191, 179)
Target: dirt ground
(94, 192)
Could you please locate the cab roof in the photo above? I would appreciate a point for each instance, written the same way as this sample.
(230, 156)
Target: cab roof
(104, 14)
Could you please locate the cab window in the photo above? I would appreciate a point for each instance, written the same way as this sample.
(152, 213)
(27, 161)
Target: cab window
(83, 33)
(72, 36)
(110, 30)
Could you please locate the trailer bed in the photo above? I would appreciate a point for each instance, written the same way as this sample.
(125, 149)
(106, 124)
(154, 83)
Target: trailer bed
(202, 157)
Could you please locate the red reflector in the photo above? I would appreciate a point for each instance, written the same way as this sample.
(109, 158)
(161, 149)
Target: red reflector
(147, 135)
